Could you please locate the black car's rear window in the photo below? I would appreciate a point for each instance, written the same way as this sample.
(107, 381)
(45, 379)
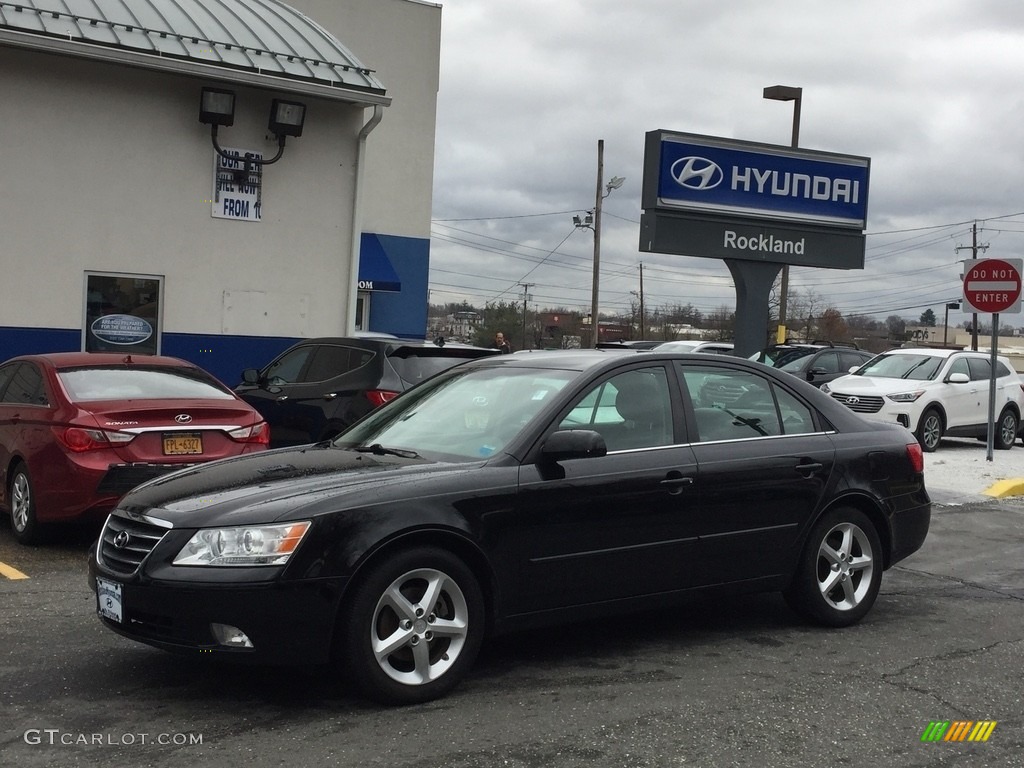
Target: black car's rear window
(413, 365)
(137, 383)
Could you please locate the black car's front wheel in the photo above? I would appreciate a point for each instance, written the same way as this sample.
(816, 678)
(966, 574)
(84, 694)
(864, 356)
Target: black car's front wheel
(840, 570)
(414, 626)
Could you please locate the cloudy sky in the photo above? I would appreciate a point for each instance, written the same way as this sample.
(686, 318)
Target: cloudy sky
(931, 90)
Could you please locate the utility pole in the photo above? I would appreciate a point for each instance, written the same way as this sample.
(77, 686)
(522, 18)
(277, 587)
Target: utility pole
(974, 248)
(526, 297)
(642, 336)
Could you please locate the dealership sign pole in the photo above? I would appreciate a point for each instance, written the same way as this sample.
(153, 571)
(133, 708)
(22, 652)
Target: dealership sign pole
(993, 285)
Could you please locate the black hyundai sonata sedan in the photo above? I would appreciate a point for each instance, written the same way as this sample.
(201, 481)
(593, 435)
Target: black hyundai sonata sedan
(513, 492)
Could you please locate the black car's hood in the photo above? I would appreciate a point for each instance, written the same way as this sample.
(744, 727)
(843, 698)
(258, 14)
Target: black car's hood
(273, 485)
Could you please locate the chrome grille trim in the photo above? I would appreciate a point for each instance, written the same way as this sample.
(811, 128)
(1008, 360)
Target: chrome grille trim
(863, 404)
(143, 533)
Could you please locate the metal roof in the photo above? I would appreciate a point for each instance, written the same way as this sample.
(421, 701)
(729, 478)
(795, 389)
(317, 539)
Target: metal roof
(263, 43)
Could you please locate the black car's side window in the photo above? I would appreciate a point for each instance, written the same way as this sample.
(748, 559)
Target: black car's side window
(287, 368)
(26, 387)
(828, 362)
(735, 405)
(631, 410)
(332, 360)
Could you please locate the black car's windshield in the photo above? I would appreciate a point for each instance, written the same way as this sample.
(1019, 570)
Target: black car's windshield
(776, 357)
(916, 367)
(797, 364)
(465, 416)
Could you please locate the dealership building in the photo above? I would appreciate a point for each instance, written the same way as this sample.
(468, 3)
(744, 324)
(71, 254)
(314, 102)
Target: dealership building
(214, 179)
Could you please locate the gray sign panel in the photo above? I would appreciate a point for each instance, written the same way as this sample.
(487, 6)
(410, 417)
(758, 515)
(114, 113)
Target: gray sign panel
(750, 240)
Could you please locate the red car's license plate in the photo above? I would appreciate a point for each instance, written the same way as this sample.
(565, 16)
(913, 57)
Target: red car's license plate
(183, 444)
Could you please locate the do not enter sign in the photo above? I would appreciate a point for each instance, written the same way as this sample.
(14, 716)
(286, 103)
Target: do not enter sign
(993, 285)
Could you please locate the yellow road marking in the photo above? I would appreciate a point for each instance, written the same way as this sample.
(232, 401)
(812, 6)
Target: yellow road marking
(11, 573)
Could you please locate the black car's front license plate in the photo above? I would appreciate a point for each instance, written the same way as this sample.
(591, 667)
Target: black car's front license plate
(108, 600)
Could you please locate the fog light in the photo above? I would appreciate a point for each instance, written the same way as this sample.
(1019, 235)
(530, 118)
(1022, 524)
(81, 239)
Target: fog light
(230, 636)
(903, 419)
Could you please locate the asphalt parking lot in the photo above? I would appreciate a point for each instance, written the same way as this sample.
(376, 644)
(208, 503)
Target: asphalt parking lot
(732, 683)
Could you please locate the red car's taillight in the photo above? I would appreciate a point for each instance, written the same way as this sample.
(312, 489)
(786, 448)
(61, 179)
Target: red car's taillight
(258, 434)
(916, 456)
(378, 397)
(80, 439)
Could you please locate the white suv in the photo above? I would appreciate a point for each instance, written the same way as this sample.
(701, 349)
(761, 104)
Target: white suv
(935, 392)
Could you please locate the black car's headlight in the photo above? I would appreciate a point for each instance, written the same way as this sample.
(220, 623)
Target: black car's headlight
(244, 545)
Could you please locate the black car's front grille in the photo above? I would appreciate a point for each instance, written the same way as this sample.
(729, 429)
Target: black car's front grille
(125, 543)
(859, 403)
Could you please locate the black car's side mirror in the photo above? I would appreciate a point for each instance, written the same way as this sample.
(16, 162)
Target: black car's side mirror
(574, 444)
(250, 376)
(815, 372)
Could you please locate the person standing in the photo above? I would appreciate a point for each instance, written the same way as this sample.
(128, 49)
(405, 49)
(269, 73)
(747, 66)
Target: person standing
(501, 344)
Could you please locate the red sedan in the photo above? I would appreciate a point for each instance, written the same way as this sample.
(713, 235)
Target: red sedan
(78, 430)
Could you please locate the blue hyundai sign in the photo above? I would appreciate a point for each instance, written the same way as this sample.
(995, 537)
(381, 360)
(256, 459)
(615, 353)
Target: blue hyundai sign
(737, 178)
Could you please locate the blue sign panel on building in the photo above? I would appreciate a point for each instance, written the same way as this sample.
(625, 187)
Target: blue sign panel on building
(736, 178)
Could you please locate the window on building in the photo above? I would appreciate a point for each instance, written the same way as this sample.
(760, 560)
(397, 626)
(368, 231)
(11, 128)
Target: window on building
(122, 313)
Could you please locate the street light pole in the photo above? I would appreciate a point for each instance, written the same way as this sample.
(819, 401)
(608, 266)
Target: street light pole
(786, 93)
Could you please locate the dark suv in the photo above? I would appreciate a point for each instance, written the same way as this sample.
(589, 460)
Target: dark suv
(319, 387)
(817, 363)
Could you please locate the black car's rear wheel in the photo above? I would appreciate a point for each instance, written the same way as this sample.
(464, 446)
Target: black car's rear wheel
(929, 430)
(414, 627)
(23, 507)
(840, 570)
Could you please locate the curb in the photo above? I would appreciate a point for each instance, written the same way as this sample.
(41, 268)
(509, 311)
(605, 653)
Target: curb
(1002, 489)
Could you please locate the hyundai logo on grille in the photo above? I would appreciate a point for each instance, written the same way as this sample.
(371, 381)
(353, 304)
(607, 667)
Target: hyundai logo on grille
(853, 400)
(122, 539)
(183, 418)
(697, 173)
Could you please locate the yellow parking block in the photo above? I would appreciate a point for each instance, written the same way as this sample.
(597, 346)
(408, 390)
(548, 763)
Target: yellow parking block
(1014, 486)
(11, 573)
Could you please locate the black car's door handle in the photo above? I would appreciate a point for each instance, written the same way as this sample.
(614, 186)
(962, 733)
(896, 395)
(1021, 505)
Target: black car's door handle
(809, 468)
(330, 395)
(675, 483)
(282, 398)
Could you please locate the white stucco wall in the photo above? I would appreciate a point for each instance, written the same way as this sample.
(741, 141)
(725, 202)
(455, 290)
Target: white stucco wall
(401, 41)
(107, 168)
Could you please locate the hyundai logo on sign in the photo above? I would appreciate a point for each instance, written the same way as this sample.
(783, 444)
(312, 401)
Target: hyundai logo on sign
(696, 173)
(121, 329)
(724, 176)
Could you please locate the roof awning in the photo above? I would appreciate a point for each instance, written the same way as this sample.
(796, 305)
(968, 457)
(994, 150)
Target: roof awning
(262, 43)
(376, 272)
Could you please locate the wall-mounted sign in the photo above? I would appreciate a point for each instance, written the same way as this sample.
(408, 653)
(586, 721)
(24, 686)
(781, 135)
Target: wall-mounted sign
(707, 174)
(122, 330)
(237, 194)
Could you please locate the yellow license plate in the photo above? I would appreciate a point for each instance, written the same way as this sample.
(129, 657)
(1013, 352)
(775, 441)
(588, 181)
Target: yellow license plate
(183, 444)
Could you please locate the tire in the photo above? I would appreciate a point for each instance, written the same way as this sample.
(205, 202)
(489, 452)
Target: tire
(1006, 430)
(929, 430)
(24, 520)
(840, 570)
(399, 650)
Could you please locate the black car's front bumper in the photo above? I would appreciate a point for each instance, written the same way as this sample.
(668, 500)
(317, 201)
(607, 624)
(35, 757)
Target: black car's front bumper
(287, 622)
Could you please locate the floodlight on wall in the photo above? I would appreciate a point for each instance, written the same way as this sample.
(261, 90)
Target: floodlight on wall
(217, 108)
